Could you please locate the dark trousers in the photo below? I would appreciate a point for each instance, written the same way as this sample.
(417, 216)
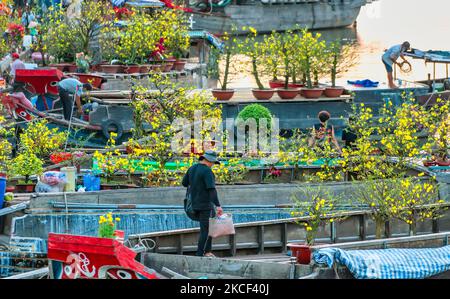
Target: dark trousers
(67, 103)
(204, 241)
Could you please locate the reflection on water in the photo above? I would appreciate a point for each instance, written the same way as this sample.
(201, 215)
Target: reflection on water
(385, 23)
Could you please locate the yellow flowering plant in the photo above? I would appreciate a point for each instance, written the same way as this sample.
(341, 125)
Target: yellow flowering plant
(107, 225)
(110, 161)
(26, 164)
(231, 173)
(5, 145)
(161, 108)
(319, 205)
(271, 60)
(253, 49)
(40, 139)
(416, 202)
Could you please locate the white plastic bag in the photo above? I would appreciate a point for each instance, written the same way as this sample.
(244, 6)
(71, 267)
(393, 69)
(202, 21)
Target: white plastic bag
(221, 226)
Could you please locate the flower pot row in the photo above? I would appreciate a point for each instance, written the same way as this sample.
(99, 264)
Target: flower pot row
(156, 66)
(285, 94)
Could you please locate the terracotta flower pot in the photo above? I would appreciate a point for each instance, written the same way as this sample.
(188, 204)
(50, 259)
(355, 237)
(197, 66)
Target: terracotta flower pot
(167, 66)
(263, 94)
(63, 67)
(179, 64)
(111, 68)
(96, 81)
(223, 95)
(333, 92)
(157, 68)
(313, 93)
(25, 188)
(295, 85)
(276, 84)
(109, 187)
(302, 252)
(145, 68)
(132, 69)
(172, 61)
(287, 94)
(72, 68)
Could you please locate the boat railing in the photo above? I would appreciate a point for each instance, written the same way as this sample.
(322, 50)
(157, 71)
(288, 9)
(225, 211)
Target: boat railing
(273, 236)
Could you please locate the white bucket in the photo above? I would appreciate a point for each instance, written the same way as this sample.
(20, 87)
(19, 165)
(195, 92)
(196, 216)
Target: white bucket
(71, 175)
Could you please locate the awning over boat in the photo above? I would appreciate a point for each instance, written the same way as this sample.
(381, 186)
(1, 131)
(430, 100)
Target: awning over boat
(430, 56)
(388, 263)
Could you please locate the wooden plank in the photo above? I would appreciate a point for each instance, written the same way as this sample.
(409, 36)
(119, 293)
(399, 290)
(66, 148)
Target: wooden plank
(284, 238)
(38, 273)
(233, 245)
(261, 239)
(362, 227)
(333, 233)
(180, 244)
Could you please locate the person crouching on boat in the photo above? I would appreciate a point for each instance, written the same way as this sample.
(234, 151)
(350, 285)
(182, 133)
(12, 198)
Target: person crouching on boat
(200, 181)
(323, 132)
(68, 89)
(390, 57)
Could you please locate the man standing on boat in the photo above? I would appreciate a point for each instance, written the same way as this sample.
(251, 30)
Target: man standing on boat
(200, 181)
(390, 57)
(68, 89)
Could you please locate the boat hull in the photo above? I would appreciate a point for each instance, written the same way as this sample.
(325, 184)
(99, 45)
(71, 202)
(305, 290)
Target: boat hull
(266, 18)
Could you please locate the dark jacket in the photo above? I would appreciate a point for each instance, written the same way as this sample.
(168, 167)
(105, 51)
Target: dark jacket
(200, 181)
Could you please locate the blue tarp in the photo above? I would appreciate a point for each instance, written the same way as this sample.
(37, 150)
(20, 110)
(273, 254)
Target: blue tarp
(364, 83)
(138, 3)
(388, 263)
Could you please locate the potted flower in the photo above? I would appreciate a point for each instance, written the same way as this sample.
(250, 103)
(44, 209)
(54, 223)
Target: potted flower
(272, 175)
(310, 50)
(317, 205)
(254, 50)
(339, 59)
(229, 48)
(26, 164)
(287, 53)
(107, 226)
(60, 157)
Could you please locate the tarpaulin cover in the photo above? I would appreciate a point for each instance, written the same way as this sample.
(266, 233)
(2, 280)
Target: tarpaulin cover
(388, 263)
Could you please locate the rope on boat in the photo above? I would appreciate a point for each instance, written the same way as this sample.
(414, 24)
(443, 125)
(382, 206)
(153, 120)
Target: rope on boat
(67, 213)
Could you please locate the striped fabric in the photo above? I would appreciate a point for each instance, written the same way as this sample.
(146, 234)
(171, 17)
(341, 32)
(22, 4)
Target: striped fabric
(388, 263)
(118, 2)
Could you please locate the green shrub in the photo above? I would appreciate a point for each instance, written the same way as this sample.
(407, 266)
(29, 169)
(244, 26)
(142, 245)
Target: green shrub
(257, 112)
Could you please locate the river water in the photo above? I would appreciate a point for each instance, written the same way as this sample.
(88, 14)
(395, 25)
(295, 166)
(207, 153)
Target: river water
(382, 24)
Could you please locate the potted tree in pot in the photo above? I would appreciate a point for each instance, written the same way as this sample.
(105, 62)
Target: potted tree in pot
(253, 49)
(310, 50)
(339, 58)
(26, 164)
(228, 50)
(287, 52)
(175, 32)
(271, 59)
(317, 205)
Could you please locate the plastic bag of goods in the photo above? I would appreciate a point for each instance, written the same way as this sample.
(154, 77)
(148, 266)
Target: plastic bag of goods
(221, 226)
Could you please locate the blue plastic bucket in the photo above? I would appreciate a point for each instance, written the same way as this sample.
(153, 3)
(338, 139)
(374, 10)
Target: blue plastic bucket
(91, 182)
(2, 190)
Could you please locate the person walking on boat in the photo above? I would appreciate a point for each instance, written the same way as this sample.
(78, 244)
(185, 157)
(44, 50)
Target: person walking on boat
(68, 89)
(390, 57)
(200, 181)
